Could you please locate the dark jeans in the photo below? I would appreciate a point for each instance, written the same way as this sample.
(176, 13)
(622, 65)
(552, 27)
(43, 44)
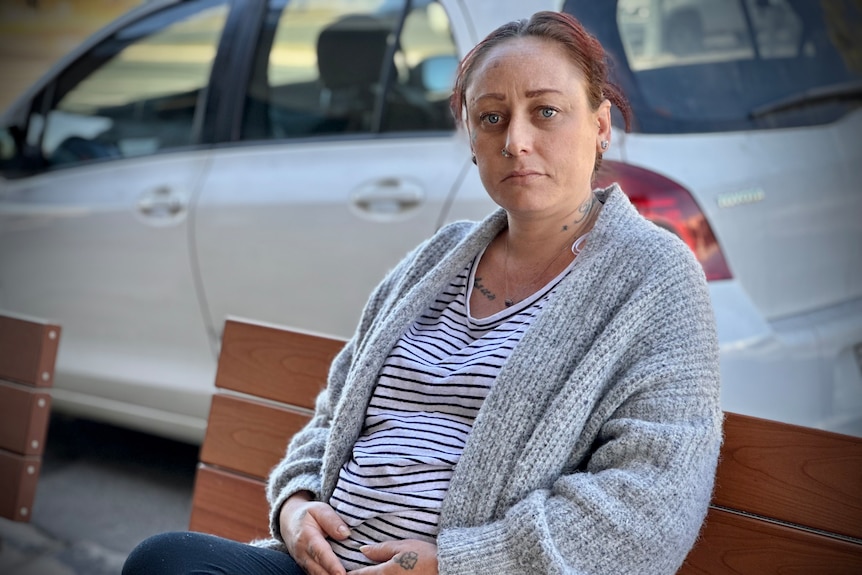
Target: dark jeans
(187, 553)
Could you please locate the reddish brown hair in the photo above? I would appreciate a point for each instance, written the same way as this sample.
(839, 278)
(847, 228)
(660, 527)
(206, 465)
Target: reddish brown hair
(584, 50)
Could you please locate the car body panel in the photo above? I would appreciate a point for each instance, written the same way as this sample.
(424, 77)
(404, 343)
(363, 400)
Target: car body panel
(803, 371)
(788, 196)
(78, 247)
(306, 247)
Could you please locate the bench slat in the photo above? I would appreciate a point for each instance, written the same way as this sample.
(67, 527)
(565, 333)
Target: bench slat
(248, 436)
(274, 363)
(228, 505)
(28, 350)
(24, 414)
(19, 475)
(738, 545)
(791, 473)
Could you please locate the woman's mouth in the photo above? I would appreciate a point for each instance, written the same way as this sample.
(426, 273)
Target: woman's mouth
(521, 175)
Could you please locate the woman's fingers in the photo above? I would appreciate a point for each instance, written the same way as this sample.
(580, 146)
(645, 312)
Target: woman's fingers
(329, 521)
(418, 557)
(380, 552)
(320, 560)
(304, 527)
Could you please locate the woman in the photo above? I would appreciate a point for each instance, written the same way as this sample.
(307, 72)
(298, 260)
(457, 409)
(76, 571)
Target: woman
(533, 393)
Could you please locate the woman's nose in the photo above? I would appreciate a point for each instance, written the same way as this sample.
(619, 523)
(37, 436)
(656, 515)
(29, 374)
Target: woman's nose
(519, 136)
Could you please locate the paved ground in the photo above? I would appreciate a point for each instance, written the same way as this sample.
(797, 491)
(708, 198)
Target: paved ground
(102, 490)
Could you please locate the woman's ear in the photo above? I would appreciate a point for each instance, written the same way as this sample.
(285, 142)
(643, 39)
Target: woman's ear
(603, 125)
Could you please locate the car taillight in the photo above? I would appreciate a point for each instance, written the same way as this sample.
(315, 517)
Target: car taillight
(671, 206)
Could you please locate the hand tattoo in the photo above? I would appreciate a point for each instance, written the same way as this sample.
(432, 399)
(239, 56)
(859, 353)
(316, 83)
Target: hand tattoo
(408, 560)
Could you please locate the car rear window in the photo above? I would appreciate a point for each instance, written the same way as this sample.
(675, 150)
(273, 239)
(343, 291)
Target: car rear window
(720, 65)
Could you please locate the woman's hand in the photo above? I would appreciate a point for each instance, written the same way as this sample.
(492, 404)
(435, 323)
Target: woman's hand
(305, 525)
(396, 557)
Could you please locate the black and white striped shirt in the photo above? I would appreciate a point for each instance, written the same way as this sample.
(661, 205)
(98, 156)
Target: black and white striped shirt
(420, 415)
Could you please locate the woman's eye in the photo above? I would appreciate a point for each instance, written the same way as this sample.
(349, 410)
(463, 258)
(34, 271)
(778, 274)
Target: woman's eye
(548, 112)
(491, 118)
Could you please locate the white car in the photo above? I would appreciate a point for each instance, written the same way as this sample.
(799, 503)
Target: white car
(271, 159)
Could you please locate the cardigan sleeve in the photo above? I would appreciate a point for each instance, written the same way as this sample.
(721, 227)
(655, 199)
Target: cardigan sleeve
(635, 503)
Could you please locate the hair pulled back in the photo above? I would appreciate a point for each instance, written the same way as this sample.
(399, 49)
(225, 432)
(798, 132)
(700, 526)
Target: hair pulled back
(583, 48)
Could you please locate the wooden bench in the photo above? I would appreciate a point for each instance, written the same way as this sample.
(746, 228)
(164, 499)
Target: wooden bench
(28, 350)
(788, 499)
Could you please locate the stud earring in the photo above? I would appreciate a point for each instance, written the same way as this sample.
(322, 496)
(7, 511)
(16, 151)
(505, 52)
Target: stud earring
(605, 145)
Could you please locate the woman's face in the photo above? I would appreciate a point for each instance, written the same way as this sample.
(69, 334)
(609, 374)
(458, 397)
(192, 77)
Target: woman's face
(528, 97)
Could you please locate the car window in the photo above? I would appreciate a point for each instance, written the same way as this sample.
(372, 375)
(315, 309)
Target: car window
(686, 32)
(138, 92)
(714, 65)
(8, 149)
(361, 67)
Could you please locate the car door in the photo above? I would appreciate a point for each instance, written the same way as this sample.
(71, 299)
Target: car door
(94, 224)
(346, 159)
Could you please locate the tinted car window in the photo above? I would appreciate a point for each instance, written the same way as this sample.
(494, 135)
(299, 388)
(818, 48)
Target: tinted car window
(363, 67)
(136, 93)
(715, 65)
(7, 146)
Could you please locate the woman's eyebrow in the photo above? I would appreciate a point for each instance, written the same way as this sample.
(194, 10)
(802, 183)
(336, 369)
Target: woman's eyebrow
(529, 94)
(489, 96)
(541, 92)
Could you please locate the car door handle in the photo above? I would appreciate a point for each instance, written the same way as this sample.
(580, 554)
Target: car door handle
(161, 202)
(387, 198)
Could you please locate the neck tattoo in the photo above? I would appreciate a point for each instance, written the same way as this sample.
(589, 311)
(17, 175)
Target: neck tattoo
(576, 244)
(576, 241)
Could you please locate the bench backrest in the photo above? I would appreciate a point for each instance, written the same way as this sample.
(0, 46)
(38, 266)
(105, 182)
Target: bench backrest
(28, 350)
(266, 384)
(787, 498)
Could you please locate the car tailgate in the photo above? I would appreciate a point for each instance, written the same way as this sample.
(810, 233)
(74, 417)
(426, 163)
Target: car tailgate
(785, 205)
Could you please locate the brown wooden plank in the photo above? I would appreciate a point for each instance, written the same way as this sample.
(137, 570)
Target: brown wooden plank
(229, 505)
(24, 414)
(28, 350)
(274, 363)
(18, 477)
(734, 544)
(792, 473)
(248, 436)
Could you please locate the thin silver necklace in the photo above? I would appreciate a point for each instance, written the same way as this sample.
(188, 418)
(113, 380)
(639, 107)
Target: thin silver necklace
(576, 249)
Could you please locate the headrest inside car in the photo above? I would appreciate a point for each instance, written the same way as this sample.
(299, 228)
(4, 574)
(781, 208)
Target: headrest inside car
(350, 52)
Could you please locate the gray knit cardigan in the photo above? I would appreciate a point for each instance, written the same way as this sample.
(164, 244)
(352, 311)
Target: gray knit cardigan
(595, 452)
